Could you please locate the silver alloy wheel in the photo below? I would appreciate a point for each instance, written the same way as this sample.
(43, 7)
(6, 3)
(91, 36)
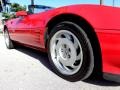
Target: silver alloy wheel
(7, 38)
(66, 52)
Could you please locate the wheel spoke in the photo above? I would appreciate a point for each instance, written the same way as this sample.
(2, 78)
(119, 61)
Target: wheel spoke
(65, 62)
(79, 56)
(73, 66)
(67, 36)
(76, 45)
(58, 45)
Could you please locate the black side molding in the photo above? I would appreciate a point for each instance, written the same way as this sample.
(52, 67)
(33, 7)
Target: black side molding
(112, 77)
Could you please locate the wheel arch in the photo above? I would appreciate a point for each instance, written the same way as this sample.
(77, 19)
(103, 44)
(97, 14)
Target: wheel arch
(87, 27)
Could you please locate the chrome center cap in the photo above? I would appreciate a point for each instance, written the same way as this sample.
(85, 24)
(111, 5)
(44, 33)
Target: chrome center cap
(65, 52)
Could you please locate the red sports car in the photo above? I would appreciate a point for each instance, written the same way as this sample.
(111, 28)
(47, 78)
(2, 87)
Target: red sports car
(80, 39)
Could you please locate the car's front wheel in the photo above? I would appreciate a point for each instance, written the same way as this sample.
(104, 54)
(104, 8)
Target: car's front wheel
(8, 41)
(70, 52)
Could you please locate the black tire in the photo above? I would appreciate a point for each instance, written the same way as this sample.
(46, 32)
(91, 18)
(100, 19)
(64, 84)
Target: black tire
(9, 43)
(88, 57)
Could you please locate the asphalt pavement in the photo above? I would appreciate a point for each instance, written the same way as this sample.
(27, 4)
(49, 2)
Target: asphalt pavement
(26, 69)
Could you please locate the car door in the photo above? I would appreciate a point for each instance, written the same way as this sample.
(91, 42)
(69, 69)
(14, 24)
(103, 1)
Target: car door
(37, 20)
(34, 23)
(22, 32)
(27, 30)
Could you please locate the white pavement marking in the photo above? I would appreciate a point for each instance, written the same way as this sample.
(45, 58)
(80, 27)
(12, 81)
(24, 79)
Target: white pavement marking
(24, 69)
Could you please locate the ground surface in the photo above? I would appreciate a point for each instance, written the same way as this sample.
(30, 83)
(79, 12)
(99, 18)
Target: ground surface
(26, 69)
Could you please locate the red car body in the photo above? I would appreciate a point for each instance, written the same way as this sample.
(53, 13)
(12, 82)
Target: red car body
(105, 20)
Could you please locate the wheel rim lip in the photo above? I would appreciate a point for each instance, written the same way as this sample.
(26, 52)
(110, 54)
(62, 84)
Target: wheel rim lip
(63, 69)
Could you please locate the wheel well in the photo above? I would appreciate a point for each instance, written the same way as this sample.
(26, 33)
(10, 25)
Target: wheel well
(89, 30)
(4, 27)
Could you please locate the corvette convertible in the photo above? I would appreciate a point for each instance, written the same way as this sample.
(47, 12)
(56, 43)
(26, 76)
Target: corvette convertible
(80, 39)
